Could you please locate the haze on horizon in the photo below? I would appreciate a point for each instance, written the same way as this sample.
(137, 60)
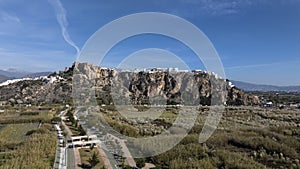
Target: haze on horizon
(257, 41)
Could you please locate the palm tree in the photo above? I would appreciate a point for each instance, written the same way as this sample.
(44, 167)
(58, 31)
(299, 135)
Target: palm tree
(94, 160)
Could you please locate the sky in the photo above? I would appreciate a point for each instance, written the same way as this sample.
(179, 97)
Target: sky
(257, 41)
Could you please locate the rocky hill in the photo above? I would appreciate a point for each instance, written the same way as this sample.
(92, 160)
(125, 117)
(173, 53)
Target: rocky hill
(137, 87)
(51, 89)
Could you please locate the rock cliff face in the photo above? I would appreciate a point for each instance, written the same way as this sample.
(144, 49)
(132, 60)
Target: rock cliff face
(159, 87)
(135, 87)
(167, 88)
(236, 96)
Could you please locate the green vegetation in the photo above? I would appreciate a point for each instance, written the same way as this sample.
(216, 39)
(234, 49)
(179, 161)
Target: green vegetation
(123, 128)
(73, 124)
(14, 115)
(38, 152)
(90, 158)
(247, 137)
(27, 139)
(140, 162)
(230, 150)
(14, 134)
(279, 97)
(94, 160)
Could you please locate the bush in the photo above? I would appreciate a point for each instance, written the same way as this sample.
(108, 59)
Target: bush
(56, 119)
(256, 143)
(140, 162)
(38, 131)
(234, 160)
(29, 114)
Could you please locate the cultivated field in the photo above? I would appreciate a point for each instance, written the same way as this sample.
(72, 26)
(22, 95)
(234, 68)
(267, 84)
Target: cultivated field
(27, 139)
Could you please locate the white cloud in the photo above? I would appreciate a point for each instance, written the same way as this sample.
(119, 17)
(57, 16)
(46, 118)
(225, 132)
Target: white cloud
(61, 16)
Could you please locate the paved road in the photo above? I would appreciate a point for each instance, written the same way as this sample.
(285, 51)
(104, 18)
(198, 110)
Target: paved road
(71, 159)
(66, 158)
(60, 156)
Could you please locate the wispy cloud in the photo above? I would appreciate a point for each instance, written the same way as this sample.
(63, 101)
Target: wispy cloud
(239, 67)
(218, 7)
(249, 66)
(61, 16)
(6, 17)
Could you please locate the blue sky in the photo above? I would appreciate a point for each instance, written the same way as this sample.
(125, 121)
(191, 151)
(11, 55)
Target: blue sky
(257, 41)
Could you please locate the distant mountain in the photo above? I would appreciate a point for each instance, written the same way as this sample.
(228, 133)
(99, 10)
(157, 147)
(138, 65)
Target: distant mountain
(3, 78)
(15, 74)
(259, 87)
(38, 74)
(12, 73)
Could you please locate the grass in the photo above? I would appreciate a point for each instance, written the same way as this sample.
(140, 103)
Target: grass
(38, 152)
(18, 149)
(13, 115)
(13, 134)
(168, 114)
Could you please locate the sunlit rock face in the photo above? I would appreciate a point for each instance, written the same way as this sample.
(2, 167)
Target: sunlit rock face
(138, 87)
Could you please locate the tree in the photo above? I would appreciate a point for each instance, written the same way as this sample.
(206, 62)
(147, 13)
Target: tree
(94, 160)
(81, 131)
(70, 117)
(56, 119)
(140, 162)
(92, 146)
(123, 163)
(76, 123)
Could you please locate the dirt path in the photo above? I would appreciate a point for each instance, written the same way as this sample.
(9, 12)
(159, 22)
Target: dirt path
(127, 154)
(104, 158)
(148, 166)
(69, 132)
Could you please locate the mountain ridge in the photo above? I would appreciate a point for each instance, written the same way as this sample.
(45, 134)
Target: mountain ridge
(246, 86)
(3, 78)
(15, 74)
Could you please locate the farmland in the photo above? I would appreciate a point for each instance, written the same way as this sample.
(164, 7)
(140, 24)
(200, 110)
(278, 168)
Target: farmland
(27, 140)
